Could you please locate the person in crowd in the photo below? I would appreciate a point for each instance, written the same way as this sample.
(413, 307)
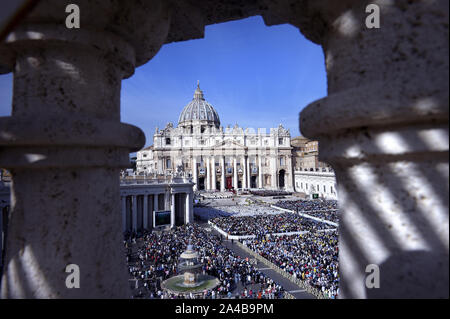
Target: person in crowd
(311, 257)
(153, 258)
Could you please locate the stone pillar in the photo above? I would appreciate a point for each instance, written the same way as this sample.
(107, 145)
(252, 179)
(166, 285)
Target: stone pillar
(213, 173)
(134, 213)
(289, 177)
(235, 174)
(64, 144)
(249, 173)
(260, 174)
(384, 129)
(273, 172)
(187, 212)
(222, 176)
(245, 173)
(208, 174)
(195, 172)
(155, 202)
(123, 200)
(145, 212)
(172, 211)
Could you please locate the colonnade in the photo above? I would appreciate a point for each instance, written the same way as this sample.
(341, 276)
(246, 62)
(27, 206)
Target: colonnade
(140, 202)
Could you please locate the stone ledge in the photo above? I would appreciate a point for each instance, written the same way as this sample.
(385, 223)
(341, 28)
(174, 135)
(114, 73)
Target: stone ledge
(74, 131)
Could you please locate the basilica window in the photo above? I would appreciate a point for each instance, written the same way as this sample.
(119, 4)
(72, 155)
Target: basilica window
(280, 140)
(168, 163)
(202, 129)
(167, 141)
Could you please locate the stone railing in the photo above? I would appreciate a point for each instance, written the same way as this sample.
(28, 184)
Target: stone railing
(302, 284)
(141, 180)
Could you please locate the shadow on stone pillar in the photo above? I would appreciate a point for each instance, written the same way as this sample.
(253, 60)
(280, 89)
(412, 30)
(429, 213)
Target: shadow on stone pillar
(64, 144)
(384, 129)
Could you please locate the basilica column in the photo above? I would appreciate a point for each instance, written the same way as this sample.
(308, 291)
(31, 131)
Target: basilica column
(260, 174)
(222, 176)
(244, 169)
(195, 172)
(249, 173)
(145, 212)
(208, 174)
(213, 172)
(64, 143)
(235, 174)
(273, 172)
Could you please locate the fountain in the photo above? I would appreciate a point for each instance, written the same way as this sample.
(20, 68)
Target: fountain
(191, 280)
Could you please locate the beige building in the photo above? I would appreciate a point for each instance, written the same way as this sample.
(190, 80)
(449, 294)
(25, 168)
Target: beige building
(312, 176)
(306, 154)
(218, 158)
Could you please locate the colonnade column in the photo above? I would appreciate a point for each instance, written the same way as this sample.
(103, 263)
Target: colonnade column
(134, 212)
(124, 213)
(235, 174)
(244, 169)
(213, 172)
(155, 203)
(222, 176)
(172, 211)
(188, 210)
(260, 176)
(145, 212)
(194, 172)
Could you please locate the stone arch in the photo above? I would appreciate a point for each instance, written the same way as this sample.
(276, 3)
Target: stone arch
(387, 102)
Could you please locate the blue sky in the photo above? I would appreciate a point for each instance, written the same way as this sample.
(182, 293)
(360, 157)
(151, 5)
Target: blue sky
(254, 75)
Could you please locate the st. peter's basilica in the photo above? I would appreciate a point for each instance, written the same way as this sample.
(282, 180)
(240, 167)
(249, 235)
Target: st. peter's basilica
(219, 158)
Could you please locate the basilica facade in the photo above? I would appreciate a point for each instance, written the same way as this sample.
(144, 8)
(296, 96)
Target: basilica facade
(218, 158)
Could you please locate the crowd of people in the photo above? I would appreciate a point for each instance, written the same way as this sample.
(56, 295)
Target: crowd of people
(323, 209)
(153, 258)
(261, 225)
(266, 192)
(311, 257)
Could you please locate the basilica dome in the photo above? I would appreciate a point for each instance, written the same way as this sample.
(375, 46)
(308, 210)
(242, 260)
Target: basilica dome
(199, 111)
